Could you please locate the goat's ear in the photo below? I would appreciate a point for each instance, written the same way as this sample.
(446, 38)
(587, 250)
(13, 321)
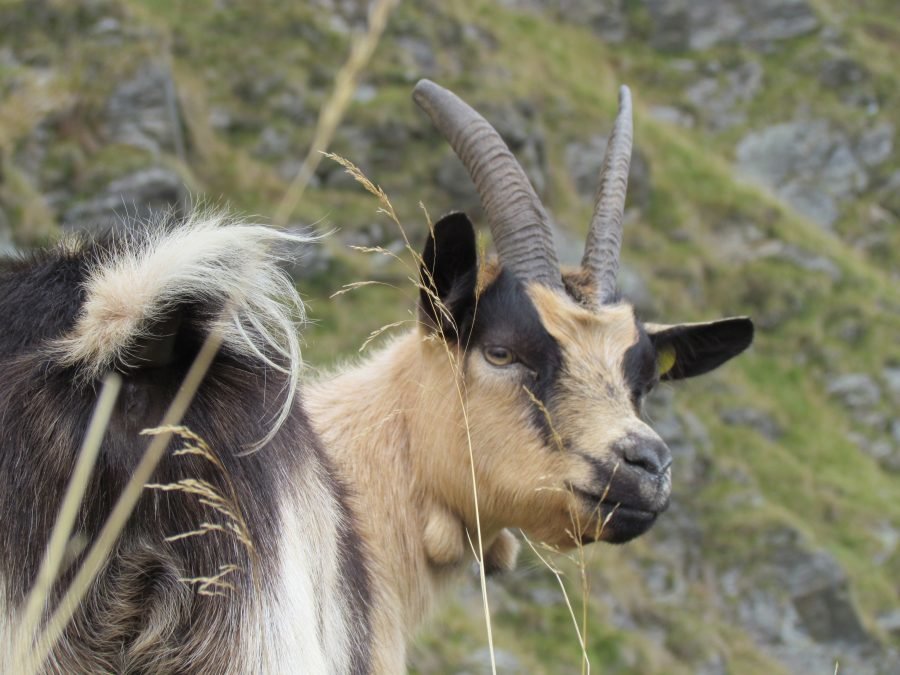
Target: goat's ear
(448, 276)
(689, 349)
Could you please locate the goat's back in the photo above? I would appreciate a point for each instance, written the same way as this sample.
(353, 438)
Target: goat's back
(272, 578)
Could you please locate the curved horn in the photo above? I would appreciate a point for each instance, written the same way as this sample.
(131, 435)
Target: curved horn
(604, 240)
(519, 224)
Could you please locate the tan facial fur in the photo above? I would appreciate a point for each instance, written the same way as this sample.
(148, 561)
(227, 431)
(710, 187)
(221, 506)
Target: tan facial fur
(523, 478)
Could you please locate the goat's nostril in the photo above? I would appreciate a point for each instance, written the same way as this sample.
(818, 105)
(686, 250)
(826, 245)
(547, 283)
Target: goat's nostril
(652, 456)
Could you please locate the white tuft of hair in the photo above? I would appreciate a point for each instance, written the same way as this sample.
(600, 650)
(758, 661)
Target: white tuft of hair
(209, 257)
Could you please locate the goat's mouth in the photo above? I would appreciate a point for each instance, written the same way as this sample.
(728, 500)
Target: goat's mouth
(615, 522)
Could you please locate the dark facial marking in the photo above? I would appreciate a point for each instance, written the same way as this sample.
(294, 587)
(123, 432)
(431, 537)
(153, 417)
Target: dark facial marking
(506, 316)
(639, 366)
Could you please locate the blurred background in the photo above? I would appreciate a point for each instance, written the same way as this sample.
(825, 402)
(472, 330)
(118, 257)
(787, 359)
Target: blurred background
(765, 181)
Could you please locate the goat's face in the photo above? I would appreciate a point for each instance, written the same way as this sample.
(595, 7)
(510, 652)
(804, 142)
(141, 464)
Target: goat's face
(555, 365)
(553, 392)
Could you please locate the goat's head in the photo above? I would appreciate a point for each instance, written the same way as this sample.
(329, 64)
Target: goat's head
(555, 365)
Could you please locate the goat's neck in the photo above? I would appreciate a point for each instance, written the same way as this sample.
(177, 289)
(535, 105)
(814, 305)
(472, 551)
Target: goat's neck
(394, 428)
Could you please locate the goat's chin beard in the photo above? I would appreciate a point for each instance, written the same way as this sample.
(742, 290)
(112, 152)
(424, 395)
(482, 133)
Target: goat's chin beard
(612, 524)
(617, 524)
(579, 525)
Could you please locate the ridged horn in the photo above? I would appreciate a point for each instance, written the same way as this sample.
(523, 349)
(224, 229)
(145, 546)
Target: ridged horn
(519, 224)
(604, 240)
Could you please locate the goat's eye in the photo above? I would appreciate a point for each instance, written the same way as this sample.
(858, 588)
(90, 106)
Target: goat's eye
(499, 356)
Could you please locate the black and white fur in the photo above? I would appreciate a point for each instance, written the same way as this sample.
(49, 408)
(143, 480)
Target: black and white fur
(142, 304)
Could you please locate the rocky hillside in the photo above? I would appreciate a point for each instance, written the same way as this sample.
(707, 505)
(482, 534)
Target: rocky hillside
(766, 181)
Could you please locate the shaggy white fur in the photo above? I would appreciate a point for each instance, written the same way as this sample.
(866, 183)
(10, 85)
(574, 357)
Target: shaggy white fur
(209, 257)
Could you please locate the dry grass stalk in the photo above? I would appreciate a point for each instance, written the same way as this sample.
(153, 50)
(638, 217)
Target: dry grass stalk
(68, 512)
(333, 111)
(346, 288)
(215, 584)
(387, 208)
(562, 586)
(226, 505)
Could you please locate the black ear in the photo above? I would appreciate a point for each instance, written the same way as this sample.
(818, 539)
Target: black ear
(448, 276)
(689, 349)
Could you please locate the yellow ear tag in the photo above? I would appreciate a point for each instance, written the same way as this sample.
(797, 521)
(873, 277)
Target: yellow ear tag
(665, 359)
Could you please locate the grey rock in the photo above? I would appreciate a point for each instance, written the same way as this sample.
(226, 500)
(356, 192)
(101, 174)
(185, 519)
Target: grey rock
(480, 662)
(347, 15)
(365, 93)
(351, 142)
(774, 20)
(759, 421)
(671, 24)
(366, 235)
(700, 24)
(856, 390)
(8, 58)
(143, 110)
(584, 160)
(294, 104)
(842, 71)
(256, 87)
(812, 201)
(633, 287)
(140, 196)
(889, 195)
(738, 240)
(796, 598)
(890, 623)
(672, 115)
(679, 25)
(882, 451)
(451, 178)
(821, 596)
(569, 246)
(417, 55)
(107, 26)
(765, 614)
(843, 173)
(685, 435)
(888, 535)
(807, 163)
(876, 145)
(718, 100)
(220, 119)
(7, 247)
(272, 144)
(802, 258)
(544, 596)
(849, 79)
(606, 18)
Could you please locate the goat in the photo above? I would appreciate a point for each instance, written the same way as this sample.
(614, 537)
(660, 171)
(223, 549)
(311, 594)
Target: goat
(514, 404)
(142, 305)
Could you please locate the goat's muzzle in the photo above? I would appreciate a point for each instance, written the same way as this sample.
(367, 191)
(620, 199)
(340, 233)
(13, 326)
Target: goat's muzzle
(630, 490)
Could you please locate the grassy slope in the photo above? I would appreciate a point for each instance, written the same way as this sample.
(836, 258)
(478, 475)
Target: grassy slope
(812, 479)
